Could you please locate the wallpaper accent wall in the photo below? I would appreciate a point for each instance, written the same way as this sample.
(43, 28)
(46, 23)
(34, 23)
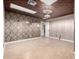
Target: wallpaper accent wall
(17, 28)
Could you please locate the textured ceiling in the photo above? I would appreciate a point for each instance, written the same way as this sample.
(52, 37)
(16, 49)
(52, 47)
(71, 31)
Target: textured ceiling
(60, 8)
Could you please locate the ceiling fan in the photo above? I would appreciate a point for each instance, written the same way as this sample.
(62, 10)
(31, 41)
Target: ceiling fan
(32, 2)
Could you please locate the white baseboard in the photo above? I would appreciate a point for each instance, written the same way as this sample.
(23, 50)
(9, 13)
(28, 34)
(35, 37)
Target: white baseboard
(71, 41)
(20, 40)
(68, 40)
(35, 39)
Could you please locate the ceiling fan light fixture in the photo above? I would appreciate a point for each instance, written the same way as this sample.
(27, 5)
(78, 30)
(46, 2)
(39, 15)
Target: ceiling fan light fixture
(48, 2)
(48, 11)
(47, 16)
(32, 2)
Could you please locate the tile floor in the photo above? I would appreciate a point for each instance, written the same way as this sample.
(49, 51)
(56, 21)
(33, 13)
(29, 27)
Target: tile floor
(40, 48)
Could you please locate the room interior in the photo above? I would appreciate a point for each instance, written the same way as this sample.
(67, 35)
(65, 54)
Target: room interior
(39, 29)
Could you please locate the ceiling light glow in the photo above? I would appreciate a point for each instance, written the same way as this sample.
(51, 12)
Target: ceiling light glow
(38, 25)
(17, 7)
(48, 2)
(27, 22)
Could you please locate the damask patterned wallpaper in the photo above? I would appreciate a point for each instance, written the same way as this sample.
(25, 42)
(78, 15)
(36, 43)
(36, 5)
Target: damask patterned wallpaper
(17, 28)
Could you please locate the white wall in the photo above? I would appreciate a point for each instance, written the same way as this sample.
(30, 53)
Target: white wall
(63, 26)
